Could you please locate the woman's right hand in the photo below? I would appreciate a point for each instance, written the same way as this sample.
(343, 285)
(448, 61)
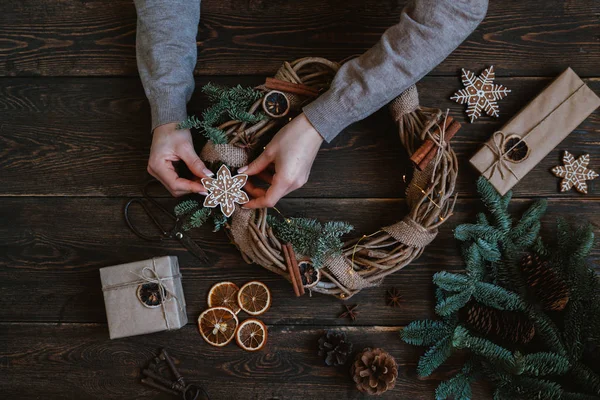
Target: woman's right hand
(170, 145)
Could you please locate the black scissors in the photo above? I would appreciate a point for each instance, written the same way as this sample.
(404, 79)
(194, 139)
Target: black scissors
(175, 232)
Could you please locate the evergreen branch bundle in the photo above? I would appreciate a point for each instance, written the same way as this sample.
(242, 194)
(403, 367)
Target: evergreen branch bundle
(228, 104)
(194, 215)
(310, 238)
(544, 357)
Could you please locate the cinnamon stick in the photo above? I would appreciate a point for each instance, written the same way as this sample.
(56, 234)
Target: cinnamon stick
(288, 262)
(296, 88)
(428, 144)
(295, 268)
(448, 135)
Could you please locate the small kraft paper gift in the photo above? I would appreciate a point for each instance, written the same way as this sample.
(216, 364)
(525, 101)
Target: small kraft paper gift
(143, 297)
(530, 135)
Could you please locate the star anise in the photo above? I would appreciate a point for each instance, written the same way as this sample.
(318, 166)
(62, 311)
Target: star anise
(350, 312)
(393, 297)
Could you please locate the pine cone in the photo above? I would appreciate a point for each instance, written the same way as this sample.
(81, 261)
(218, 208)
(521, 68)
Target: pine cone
(335, 348)
(374, 371)
(508, 325)
(547, 285)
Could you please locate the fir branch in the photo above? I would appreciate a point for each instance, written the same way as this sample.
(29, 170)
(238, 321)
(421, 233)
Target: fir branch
(466, 232)
(425, 333)
(577, 396)
(496, 204)
(474, 260)
(244, 116)
(525, 388)
(434, 357)
(189, 123)
(310, 238)
(197, 219)
(220, 221)
(490, 251)
(497, 297)
(462, 339)
(451, 282)
(186, 207)
(546, 329)
(232, 103)
(453, 303)
(215, 135)
(541, 364)
(527, 229)
(459, 386)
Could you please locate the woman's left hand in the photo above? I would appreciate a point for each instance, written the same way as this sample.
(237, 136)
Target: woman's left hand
(292, 153)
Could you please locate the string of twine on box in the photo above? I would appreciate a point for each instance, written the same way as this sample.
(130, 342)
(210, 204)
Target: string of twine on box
(364, 261)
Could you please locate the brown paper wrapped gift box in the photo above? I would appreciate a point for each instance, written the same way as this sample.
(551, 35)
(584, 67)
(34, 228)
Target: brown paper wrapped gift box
(127, 315)
(541, 126)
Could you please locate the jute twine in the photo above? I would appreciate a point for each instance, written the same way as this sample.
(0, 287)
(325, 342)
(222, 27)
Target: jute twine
(364, 261)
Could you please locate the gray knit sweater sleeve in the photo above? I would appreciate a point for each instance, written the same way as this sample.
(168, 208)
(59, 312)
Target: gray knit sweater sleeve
(428, 31)
(166, 55)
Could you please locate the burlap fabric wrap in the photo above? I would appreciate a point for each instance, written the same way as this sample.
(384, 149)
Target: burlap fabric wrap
(229, 154)
(365, 261)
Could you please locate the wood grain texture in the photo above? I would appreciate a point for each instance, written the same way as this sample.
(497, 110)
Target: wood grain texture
(52, 248)
(75, 361)
(66, 38)
(90, 137)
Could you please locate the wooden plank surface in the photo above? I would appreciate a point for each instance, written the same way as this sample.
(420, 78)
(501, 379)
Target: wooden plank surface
(62, 37)
(74, 148)
(76, 361)
(90, 137)
(52, 248)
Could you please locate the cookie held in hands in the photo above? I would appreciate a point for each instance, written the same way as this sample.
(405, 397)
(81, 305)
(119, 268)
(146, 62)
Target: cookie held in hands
(225, 190)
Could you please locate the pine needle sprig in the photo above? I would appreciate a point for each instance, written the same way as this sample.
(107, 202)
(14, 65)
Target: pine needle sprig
(494, 277)
(194, 215)
(311, 238)
(426, 332)
(459, 386)
(197, 219)
(186, 207)
(220, 221)
(189, 123)
(228, 104)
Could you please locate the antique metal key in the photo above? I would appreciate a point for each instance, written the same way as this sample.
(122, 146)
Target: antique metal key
(177, 387)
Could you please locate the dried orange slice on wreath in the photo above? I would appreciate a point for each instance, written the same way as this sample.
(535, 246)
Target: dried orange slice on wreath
(251, 335)
(224, 294)
(254, 298)
(218, 326)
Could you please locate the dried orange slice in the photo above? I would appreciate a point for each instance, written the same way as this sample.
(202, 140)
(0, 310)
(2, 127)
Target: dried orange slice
(224, 294)
(254, 298)
(218, 325)
(251, 335)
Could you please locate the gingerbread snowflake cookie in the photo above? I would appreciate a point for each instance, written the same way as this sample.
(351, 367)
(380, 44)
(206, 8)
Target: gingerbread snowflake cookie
(225, 190)
(575, 173)
(480, 93)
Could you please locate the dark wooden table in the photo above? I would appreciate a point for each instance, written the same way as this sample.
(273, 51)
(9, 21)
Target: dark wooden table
(74, 142)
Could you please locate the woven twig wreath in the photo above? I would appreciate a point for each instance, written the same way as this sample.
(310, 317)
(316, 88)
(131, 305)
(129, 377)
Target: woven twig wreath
(364, 261)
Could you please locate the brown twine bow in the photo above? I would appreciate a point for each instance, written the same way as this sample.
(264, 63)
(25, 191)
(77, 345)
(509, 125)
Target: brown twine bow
(165, 294)
(503, 160)
(502, 156)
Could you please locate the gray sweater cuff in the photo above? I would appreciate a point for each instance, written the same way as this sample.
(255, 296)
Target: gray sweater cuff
(167, 106)
(329, 115)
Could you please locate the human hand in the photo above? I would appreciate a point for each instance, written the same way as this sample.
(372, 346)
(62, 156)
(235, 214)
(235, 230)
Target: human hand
(168, 146)
(292, 152)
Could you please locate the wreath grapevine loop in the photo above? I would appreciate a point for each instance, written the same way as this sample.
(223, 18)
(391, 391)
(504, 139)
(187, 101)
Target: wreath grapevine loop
(365, 261)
